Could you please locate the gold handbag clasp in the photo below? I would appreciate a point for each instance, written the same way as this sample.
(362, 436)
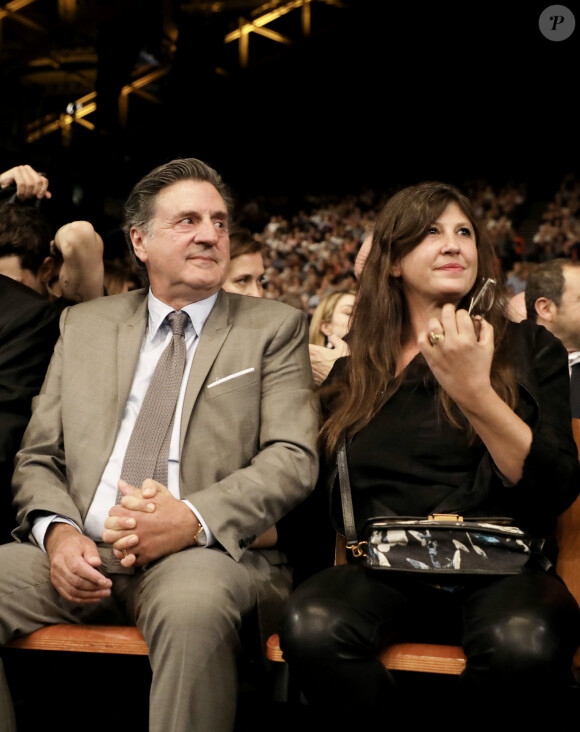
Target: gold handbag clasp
(446, 517)
(357, 549)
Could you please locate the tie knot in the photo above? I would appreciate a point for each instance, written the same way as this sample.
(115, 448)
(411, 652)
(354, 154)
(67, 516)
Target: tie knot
(177, 321)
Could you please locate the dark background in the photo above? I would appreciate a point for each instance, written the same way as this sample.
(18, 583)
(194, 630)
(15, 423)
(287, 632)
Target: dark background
(381, 94)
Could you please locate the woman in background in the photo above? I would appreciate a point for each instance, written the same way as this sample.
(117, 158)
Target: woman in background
(246, 271)
(331, 318)
(328, 326)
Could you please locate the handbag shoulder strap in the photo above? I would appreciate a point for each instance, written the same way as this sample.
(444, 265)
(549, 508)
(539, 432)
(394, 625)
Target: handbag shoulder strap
(345, 494)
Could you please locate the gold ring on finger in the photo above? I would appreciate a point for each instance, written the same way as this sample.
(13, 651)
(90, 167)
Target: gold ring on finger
(434, 338)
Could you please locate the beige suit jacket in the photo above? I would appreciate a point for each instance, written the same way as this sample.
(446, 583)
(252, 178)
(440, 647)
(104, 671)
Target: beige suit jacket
(247, 444)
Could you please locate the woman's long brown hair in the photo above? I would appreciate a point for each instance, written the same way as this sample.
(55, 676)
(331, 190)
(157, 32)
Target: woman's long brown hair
(380, 314)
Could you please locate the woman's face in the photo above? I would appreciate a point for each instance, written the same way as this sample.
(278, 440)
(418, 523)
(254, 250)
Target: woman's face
(443, 267)
(339, 323)
(246, 275)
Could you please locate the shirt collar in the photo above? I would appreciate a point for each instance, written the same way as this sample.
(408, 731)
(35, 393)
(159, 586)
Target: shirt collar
(198, 313)
(573, 358)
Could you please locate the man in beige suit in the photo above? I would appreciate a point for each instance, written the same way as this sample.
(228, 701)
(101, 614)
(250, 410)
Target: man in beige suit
(190, 560)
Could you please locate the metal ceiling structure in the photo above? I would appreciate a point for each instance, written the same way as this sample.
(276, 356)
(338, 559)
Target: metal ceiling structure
(61, 57)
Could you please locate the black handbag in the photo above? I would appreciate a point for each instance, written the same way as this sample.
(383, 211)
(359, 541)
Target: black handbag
(440, 543)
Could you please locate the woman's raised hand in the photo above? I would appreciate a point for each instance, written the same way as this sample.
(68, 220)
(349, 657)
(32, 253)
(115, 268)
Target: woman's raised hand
(459, 352)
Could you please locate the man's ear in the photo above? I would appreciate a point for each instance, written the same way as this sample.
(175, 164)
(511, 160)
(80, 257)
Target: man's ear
(546, 309)
(47, 270)
(138, 241)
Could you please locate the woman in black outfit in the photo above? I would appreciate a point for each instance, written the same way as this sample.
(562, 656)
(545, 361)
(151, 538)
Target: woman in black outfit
(442, 412)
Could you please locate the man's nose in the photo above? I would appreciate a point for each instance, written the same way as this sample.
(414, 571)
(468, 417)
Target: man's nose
(206, 232)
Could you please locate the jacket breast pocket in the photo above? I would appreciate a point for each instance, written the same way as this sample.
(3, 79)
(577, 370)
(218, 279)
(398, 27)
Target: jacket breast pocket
(233, 382)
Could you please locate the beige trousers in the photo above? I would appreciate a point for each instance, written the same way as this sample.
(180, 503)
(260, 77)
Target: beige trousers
(189, 607)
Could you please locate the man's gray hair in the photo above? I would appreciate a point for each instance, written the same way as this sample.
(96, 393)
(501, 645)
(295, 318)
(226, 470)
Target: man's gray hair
(140, 206)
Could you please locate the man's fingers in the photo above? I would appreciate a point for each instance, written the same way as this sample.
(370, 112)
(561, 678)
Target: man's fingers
(151, 488)
(127, 559)
(75, 588)
(84, 574)
(80, 571)
(28, 182)
(120, 523)
(136, 503)
(135, 499)
(90, 553)
(43, 191)
(111, 536)
(126, 542)
(126, 488)
(83, 597)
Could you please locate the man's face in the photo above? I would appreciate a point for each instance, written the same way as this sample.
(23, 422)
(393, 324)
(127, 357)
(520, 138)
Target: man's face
(186, 245)
(566, 324)
(11, 267)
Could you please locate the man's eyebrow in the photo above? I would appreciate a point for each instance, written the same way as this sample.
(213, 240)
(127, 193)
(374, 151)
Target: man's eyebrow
(191, 213)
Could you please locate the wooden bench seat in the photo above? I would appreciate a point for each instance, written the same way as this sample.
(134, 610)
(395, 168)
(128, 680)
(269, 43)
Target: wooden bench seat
(122, 639)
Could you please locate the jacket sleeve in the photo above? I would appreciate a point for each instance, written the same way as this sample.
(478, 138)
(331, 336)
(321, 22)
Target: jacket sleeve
(40, 481)
(27, 336)
(551, 472)
(281, 419)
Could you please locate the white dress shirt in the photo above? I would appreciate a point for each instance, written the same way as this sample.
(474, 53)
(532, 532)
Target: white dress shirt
(573, 358)
(157, 336)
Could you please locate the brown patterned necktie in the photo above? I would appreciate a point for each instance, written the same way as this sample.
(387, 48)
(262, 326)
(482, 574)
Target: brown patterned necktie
(148, 448)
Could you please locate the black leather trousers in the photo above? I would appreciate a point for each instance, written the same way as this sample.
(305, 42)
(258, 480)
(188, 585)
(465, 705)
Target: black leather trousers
(519, 634)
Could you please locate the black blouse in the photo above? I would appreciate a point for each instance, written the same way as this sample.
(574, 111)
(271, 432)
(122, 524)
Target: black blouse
(410, 458)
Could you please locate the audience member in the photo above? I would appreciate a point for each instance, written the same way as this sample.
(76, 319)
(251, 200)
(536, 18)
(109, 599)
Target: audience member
(516, 278)
(77, 251)
(25, 239)
(246, 271)
(227, 459)
(331, 318)
(553, 300)
(328, 327)
(119, 277)
(26, 182)
(28, 332)
(68, 268)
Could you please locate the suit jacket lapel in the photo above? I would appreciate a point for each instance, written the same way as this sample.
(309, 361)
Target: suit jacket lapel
(213, 335)
(129, 340)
